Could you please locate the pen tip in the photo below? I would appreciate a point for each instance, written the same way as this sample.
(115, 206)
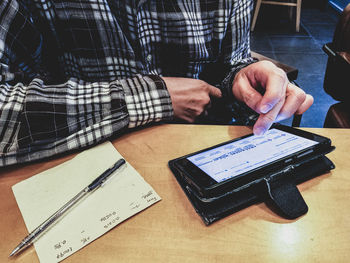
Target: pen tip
(14, 252)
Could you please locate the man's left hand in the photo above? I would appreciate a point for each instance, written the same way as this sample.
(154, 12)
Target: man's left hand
(280, 99)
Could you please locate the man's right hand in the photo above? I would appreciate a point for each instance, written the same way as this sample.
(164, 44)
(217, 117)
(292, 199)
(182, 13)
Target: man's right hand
(190, 97)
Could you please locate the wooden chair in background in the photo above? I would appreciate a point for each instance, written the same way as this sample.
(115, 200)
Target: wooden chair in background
(296, 4)
(336, 81)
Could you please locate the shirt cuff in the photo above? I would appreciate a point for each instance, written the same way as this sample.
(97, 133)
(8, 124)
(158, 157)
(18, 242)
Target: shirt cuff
(226, 84)
(147, 100)
(241, 113)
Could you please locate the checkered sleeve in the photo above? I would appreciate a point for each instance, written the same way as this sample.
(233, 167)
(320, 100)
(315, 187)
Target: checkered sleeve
(236, 46)
(38, 120)
(147, 99)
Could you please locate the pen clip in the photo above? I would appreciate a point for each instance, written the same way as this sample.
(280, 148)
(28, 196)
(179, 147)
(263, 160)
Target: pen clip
(117, 171)
(105, 175)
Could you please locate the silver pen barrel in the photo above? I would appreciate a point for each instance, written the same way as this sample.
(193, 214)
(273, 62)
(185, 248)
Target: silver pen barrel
(95, 184)
(28, 240)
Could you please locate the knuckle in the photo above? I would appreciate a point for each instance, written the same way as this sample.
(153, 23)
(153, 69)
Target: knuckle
(251, 100)
(268, 118)
(267, 63)
(285, 115)
(198, 111)
(191, 115)
(309, 99)
(206, 100)
(191, 119)
(201, 99)
(205, 90)
(201, 82)
(203, 85)
(279, 73)
(238, 87)
(248, 97)
(300, 95)
(237, 82)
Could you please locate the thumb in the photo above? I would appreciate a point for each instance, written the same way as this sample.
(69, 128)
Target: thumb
(215, 92)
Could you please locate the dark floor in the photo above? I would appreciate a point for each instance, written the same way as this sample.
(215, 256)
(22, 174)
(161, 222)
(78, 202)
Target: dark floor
(274, 36)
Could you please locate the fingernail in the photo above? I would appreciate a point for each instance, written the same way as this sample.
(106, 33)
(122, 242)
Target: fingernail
(259, 131)
(265, 108)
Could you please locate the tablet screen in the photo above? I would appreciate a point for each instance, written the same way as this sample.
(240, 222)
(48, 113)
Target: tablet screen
(235, 158)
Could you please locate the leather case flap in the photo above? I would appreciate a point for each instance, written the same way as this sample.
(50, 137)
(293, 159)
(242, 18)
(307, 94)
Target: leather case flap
(284, 197)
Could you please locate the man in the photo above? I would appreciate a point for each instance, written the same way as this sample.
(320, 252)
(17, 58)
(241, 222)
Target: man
(74, 73)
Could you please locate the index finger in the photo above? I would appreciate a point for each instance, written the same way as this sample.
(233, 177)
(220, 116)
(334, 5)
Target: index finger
(276, 86)
(214, 91)
(265, 121)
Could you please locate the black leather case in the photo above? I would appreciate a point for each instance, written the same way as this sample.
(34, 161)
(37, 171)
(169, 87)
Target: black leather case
(278, 190)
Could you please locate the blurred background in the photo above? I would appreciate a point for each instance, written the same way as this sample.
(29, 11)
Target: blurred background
(275, 36)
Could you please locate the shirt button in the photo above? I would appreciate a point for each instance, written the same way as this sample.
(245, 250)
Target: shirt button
(149, 58)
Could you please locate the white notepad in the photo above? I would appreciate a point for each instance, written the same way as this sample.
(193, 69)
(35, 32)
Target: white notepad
(122, 196)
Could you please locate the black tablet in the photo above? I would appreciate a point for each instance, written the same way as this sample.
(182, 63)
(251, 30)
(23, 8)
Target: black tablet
(248, 159)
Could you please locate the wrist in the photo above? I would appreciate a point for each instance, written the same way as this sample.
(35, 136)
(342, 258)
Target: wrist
(227, 83)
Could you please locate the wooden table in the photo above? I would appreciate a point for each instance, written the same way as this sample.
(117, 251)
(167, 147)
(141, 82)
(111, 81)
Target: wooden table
(171, 231)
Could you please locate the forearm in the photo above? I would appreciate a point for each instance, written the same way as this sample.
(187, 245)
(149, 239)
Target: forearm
(39, 121)
(236, 47)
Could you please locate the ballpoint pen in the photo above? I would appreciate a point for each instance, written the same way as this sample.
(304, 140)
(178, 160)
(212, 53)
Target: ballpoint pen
(28, 240)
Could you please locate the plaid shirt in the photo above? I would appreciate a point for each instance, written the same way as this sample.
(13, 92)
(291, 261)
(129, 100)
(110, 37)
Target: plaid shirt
(73, 73)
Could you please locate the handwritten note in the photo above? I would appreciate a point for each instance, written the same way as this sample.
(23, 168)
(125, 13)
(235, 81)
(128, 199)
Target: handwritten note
(122, 196)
